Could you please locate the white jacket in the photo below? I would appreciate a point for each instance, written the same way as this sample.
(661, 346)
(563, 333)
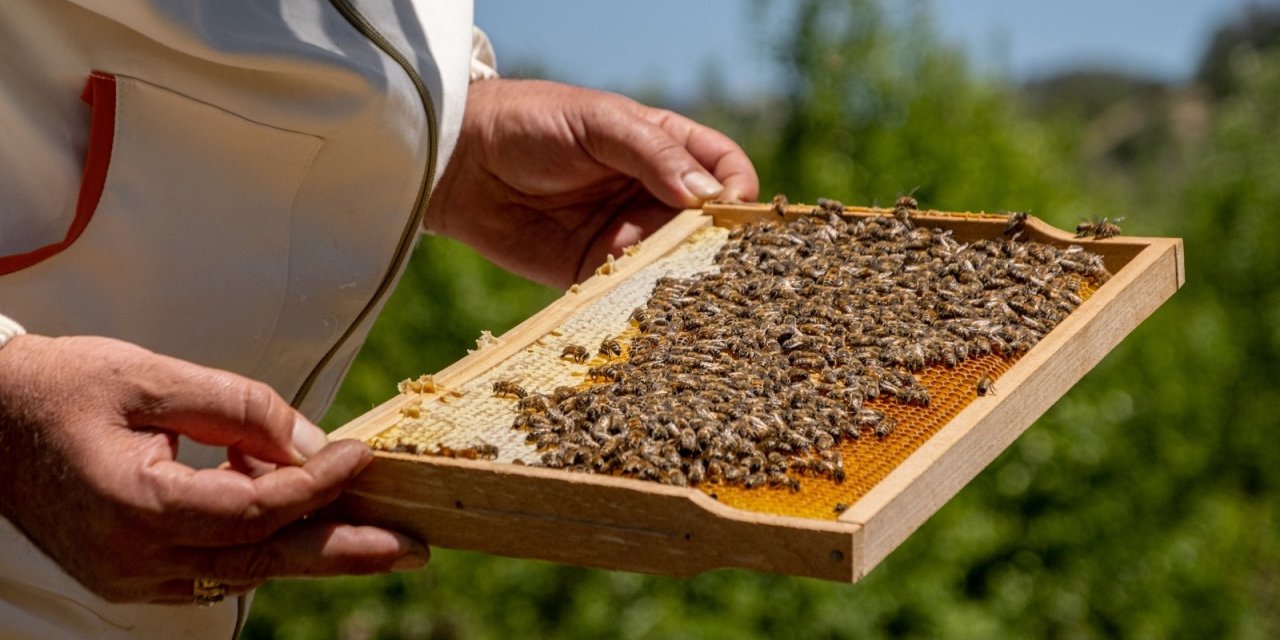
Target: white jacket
(242, 192)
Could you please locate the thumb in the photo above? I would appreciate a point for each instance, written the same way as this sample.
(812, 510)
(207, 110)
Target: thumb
(314, 549)
(223, 409)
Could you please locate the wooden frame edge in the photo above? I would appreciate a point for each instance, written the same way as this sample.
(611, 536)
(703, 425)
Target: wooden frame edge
(598, 521)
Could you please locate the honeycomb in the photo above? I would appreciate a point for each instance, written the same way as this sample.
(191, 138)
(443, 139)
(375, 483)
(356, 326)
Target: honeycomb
(471, 418)
(868, 460)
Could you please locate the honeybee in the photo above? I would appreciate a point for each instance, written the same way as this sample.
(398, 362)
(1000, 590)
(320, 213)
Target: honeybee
(1015, 223)
(610, 445)
(675, 477)
(562, 393)
(1099, 229)
(689, 440)
(907, 201)
(534, 403)
(807, 360)
(523, 422)
(840, 507)
(601, 462)
(780, 205)
(902, 210)
(870, 389)
(824, 441)
(777, 479)
(543, 439)
(696, 473)
(917, 396)
(732, 473)
(985, 386)
(509, 389)
(869, 417)
(828, 205)
(1107, 228)
(714, 469)
(553, 458)
(576, 352)
(634, 465)
(913, 357)
(635, 436)
(797, 440)
(609, 372)
(611, 348)
(886, 426)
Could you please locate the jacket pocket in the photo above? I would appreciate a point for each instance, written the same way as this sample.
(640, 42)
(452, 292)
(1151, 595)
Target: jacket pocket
(100, 94)
(181, 235)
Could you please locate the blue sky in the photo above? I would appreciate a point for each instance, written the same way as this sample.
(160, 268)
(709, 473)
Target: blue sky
(629, 46)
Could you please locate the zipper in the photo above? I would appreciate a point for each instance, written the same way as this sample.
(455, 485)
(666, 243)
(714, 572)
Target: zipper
(363, 25)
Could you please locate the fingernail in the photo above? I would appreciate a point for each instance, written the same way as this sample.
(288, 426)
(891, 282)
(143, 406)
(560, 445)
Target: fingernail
(702, 185)
(410, 561)
(308, 439)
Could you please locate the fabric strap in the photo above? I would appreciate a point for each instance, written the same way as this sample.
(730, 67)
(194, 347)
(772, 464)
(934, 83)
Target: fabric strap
(9, 329)
(484, 65)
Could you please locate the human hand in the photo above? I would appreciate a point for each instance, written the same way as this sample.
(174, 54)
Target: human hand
(548, 179)
(88, 433)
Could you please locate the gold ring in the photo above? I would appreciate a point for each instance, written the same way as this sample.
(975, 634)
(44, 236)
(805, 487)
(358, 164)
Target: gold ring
(208, 591)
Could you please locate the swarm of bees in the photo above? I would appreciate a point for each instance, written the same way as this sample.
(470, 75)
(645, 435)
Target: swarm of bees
(754, 374)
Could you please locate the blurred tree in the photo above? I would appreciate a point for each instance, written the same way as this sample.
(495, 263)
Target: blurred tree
(875, 107)
(1255, 30)
(1126, 118)
(1088, 92)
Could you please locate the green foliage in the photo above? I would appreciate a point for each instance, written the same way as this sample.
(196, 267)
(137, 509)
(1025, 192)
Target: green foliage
(875, 108)
(1145, 504)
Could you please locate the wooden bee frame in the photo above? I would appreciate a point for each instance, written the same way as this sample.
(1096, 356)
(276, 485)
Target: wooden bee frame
(634, 525)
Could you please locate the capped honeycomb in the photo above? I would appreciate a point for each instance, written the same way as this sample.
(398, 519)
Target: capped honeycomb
(609, 358)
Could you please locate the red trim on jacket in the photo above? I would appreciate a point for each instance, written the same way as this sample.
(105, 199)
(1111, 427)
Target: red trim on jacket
(100, 94)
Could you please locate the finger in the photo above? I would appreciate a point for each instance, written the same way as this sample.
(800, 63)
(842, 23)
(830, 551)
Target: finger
(223, 409)
(617, 134)
(311, 549)
(716, 152)
(251, 466)
(217, 507)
